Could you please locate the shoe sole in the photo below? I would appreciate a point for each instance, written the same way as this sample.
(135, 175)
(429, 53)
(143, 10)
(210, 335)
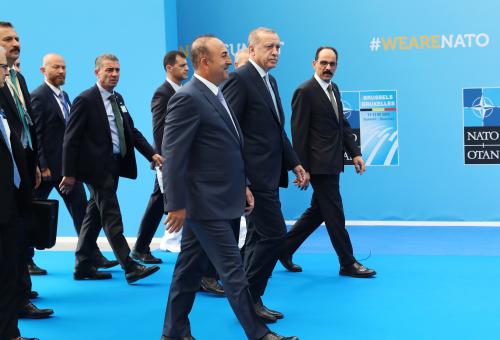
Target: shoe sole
(366, 276)
(38, 273)
(144, 275)
(108, 265)
(83, 278)
(137, 258)
(45, 316)
(209, 291)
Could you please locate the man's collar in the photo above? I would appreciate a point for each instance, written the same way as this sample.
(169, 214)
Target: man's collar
(105, 93)
(321, 82)
(211, 86)
(53, 88)
(259, 69)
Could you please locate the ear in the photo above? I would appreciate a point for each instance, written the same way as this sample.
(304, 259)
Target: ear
(42, 69)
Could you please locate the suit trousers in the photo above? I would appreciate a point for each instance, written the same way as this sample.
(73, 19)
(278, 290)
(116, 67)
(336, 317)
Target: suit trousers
(326, 206)
(216, 240)
(103, 209)
(10, 256)
(150, 221)
(266, 231)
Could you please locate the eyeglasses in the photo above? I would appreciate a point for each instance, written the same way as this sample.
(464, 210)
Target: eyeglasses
(324, 63)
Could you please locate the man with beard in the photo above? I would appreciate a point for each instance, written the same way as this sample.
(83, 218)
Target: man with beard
(321, 134)
(51, 110)
(16, 103)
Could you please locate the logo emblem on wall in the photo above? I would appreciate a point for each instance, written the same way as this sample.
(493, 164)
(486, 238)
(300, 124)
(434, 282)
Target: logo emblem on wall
(481, 112)
(373, 116)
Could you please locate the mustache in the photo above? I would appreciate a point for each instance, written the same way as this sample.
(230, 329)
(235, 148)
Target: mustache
(17, 49)
(328, 72)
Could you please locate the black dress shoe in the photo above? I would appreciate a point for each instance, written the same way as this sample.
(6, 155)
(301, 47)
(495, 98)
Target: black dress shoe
(137, 271)
(102, 262)
(145, 257)
(211, 285)
(33, 295)
(23, 338)
(275, 313)
(274, 336)
(90, 274)
(263, 313)
(357, 270)
(286, 261)
(30, 311)
(35, 270)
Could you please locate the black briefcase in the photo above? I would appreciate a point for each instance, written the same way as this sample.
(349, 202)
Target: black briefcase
(42, 232)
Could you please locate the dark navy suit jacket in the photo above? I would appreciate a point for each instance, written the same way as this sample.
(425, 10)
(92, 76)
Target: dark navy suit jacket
(49, 125)
(268, 151)
(204, 171)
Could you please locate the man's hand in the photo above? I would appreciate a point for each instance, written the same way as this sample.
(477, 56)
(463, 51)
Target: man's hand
(158, 160)
(175, 220)
(67, 184)
(250, 202)
(38, 177)
(46, 174)
(359, 165)
(302, 177)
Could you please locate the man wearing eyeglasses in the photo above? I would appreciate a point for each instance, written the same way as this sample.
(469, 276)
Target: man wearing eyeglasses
(321, 134)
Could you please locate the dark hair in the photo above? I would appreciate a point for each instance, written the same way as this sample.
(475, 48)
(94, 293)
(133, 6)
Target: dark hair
(170, 57)
(6, 24)
(321, 48)
(199, 49)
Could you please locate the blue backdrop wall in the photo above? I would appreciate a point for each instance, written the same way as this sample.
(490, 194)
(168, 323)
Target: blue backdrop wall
(387, 45)
(427, 52)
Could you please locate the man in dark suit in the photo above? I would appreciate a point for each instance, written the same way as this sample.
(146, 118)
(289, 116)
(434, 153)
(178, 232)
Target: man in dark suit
(15, 101)
(176, 67)
(253, 95)
(51, 110)
(321, 135)
(205, 190)
(98, 149)
(15, 190)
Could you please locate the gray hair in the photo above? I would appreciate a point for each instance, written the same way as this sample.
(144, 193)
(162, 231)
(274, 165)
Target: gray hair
(237, 57)
(253, 37)
(104, 57)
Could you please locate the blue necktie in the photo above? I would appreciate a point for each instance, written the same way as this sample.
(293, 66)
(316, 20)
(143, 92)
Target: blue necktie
(64, 104)
(17, 177)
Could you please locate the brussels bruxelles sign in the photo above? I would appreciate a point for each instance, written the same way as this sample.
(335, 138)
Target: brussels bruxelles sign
(481, 113)
(373, 116)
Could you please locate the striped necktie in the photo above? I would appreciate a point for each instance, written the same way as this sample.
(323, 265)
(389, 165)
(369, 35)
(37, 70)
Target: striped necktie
(23, 115)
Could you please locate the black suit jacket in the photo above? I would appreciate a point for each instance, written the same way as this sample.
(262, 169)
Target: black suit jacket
(88, 148)
(49, 126)
(268, 151)
(9, 106)
(159, 110)
(7, 189)
(318, 137)
(204, 171)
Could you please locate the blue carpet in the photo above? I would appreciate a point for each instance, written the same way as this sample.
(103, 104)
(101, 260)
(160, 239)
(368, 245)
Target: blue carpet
(438, 294)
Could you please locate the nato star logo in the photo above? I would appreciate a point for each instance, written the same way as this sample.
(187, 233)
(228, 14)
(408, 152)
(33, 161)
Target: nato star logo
(482, 107)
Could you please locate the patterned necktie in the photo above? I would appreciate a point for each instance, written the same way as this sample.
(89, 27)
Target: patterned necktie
(271, 92)
(220, 96)
(17, 177)
(25, 119)
(64, 105)
(119, 125)
(333, 100)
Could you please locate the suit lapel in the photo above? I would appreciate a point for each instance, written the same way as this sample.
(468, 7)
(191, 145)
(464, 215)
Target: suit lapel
(219, 108)
(261, 86)
(13, 113)
(54, 101)
(101, 110)
(325, 101)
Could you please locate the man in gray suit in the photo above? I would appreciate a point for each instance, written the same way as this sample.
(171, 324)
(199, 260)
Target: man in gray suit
(205, 190)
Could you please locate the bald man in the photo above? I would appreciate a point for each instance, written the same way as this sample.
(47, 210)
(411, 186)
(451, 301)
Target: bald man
(241, 57)
(51, 109)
